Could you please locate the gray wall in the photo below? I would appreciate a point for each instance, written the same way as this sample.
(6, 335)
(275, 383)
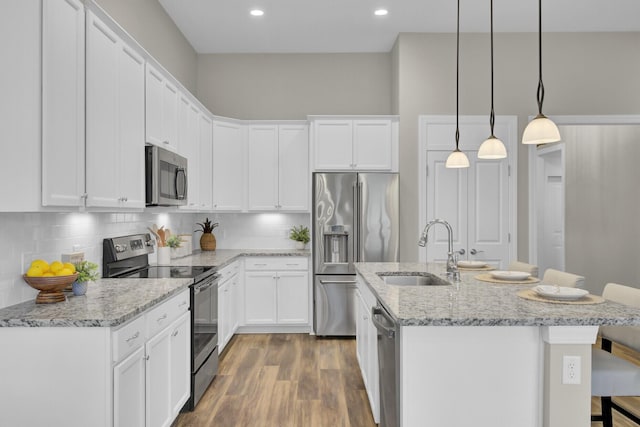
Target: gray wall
(602, 235)
(148, 23)
(292, 86)
(593, 73)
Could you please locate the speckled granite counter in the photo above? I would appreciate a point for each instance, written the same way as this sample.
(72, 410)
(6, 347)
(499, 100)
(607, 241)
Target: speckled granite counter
(111, 302)
(476, 303)
(223, 257)
(108, 302)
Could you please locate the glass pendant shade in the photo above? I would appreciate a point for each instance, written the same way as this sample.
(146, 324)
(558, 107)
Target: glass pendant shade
(541, 130)
(457, 159)
(492, 148)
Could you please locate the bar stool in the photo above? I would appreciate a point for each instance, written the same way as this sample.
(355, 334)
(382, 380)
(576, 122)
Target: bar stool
(562, 278)
(523, 266)
(611, 375)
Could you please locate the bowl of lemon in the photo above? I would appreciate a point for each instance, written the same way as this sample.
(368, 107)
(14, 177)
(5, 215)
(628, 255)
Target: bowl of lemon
(50, 279)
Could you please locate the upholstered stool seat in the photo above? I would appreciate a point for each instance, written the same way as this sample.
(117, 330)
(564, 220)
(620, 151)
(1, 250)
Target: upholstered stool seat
(613, 376)
(562, 278)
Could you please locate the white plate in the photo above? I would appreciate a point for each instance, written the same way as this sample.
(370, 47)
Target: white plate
(560, 292)
(510, 275)
(471, 264)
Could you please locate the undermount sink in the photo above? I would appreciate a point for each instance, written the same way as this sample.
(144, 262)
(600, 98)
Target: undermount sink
(414, 279)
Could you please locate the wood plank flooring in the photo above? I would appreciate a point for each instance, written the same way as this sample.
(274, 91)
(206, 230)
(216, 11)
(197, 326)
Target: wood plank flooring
(284, 380)
(630, 403)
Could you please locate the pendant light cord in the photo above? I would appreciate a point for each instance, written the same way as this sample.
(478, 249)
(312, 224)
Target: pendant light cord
(492, 116)
(457, 75)
(540, 92)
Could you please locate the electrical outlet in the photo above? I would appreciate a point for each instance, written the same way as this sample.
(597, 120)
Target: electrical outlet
(571, 368)
(73, 257)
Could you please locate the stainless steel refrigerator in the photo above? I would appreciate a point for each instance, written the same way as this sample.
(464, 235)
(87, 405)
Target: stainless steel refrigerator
(355, 219)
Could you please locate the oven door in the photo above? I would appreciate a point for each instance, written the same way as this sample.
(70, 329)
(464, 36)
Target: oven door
(205, 321)
(166, 180)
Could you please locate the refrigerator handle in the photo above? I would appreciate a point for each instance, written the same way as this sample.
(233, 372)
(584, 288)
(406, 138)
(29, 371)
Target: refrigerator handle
(356, 221)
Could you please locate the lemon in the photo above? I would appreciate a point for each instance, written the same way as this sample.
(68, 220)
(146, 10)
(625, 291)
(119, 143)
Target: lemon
(42, 264)
(35, 271)
(48, 274)
(56, 266)
(64, 272)
(70, 266)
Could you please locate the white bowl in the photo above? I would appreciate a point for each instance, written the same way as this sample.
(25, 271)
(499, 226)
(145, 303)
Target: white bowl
(510, 275)
(471, 264)
(560, 292)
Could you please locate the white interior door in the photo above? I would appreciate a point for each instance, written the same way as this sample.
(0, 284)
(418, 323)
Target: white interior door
(478, 202)
(448, 201)
(550, 207)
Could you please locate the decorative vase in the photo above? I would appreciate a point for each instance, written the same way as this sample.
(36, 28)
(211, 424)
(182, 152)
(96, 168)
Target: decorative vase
(164, 255)
(300, 245)
(208, 242)
(79, 288)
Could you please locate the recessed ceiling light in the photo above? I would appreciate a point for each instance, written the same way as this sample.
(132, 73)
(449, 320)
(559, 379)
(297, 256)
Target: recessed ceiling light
(256, 12)
(381, 12)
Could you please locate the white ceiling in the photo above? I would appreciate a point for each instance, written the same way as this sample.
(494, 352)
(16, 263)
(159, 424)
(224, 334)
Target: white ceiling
(225, 26)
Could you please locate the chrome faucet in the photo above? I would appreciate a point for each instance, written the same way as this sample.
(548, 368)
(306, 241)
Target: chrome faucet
(452, 266)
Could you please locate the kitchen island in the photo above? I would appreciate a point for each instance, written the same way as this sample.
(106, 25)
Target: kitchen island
(474, 353)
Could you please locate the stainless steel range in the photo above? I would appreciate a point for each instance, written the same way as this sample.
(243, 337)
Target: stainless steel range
(128, 256)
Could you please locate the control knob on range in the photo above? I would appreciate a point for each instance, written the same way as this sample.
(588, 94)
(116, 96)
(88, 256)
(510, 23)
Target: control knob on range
(121, 248)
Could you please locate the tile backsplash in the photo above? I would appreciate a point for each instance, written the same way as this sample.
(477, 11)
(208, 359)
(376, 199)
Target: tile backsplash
(29, 236)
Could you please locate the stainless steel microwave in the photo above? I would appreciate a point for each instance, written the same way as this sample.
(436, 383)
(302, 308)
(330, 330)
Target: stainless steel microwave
(165, 177)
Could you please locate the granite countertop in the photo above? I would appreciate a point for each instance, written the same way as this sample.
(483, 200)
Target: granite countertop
(222, 257)
(477, 303)
(112, 302)
(108, 303)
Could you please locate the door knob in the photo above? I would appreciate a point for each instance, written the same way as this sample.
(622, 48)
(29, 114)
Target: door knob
(473, 252)
(461, 251)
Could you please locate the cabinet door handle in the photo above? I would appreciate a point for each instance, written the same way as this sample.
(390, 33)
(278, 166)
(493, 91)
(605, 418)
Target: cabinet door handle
(146, 357)
(175, 333)
(161, 318)
(133, 337)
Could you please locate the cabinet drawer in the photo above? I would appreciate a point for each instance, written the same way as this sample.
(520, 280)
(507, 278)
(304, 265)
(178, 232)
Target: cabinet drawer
(160, 317)
(228, 271)
(128, 338)
(277, 263)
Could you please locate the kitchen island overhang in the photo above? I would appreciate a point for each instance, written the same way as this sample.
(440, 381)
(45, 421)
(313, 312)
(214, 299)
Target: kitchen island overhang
(477, 354)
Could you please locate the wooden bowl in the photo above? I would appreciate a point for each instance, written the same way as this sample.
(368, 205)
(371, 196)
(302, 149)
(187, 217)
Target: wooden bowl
(50, 287)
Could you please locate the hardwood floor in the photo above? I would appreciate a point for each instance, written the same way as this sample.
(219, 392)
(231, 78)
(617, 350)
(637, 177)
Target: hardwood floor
(630, 403)
(284, 380)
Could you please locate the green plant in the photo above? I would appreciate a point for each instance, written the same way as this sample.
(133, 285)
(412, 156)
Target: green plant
(87, 271)
(174, 241)
(300, 234)
(206, 226)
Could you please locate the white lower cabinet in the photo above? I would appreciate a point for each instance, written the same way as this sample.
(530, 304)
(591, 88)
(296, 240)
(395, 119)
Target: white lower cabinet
(367, 346)
(129, 381)
(276, 291)
(152, 383)
(228, 312)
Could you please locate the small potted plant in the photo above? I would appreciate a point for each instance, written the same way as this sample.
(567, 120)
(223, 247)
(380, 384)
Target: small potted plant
(207, 240)
(87, 272)
(174, 242)
(300, 235)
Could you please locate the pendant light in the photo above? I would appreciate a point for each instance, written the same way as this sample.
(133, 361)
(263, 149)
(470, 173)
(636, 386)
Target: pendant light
(492, 147)
(540, 130)
(457, 159)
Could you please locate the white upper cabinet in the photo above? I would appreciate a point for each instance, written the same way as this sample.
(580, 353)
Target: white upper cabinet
(161, 110)
(20, 106)
(114, 120)
(205, 181)
(63, 102)
(278, 167)
(229, 158)
(355, 143)
(189, 140)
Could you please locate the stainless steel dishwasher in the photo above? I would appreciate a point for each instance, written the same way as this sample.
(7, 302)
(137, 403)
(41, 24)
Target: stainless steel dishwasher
(389, 364)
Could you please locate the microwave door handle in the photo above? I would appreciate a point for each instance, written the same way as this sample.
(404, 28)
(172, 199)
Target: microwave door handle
(181, 195)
